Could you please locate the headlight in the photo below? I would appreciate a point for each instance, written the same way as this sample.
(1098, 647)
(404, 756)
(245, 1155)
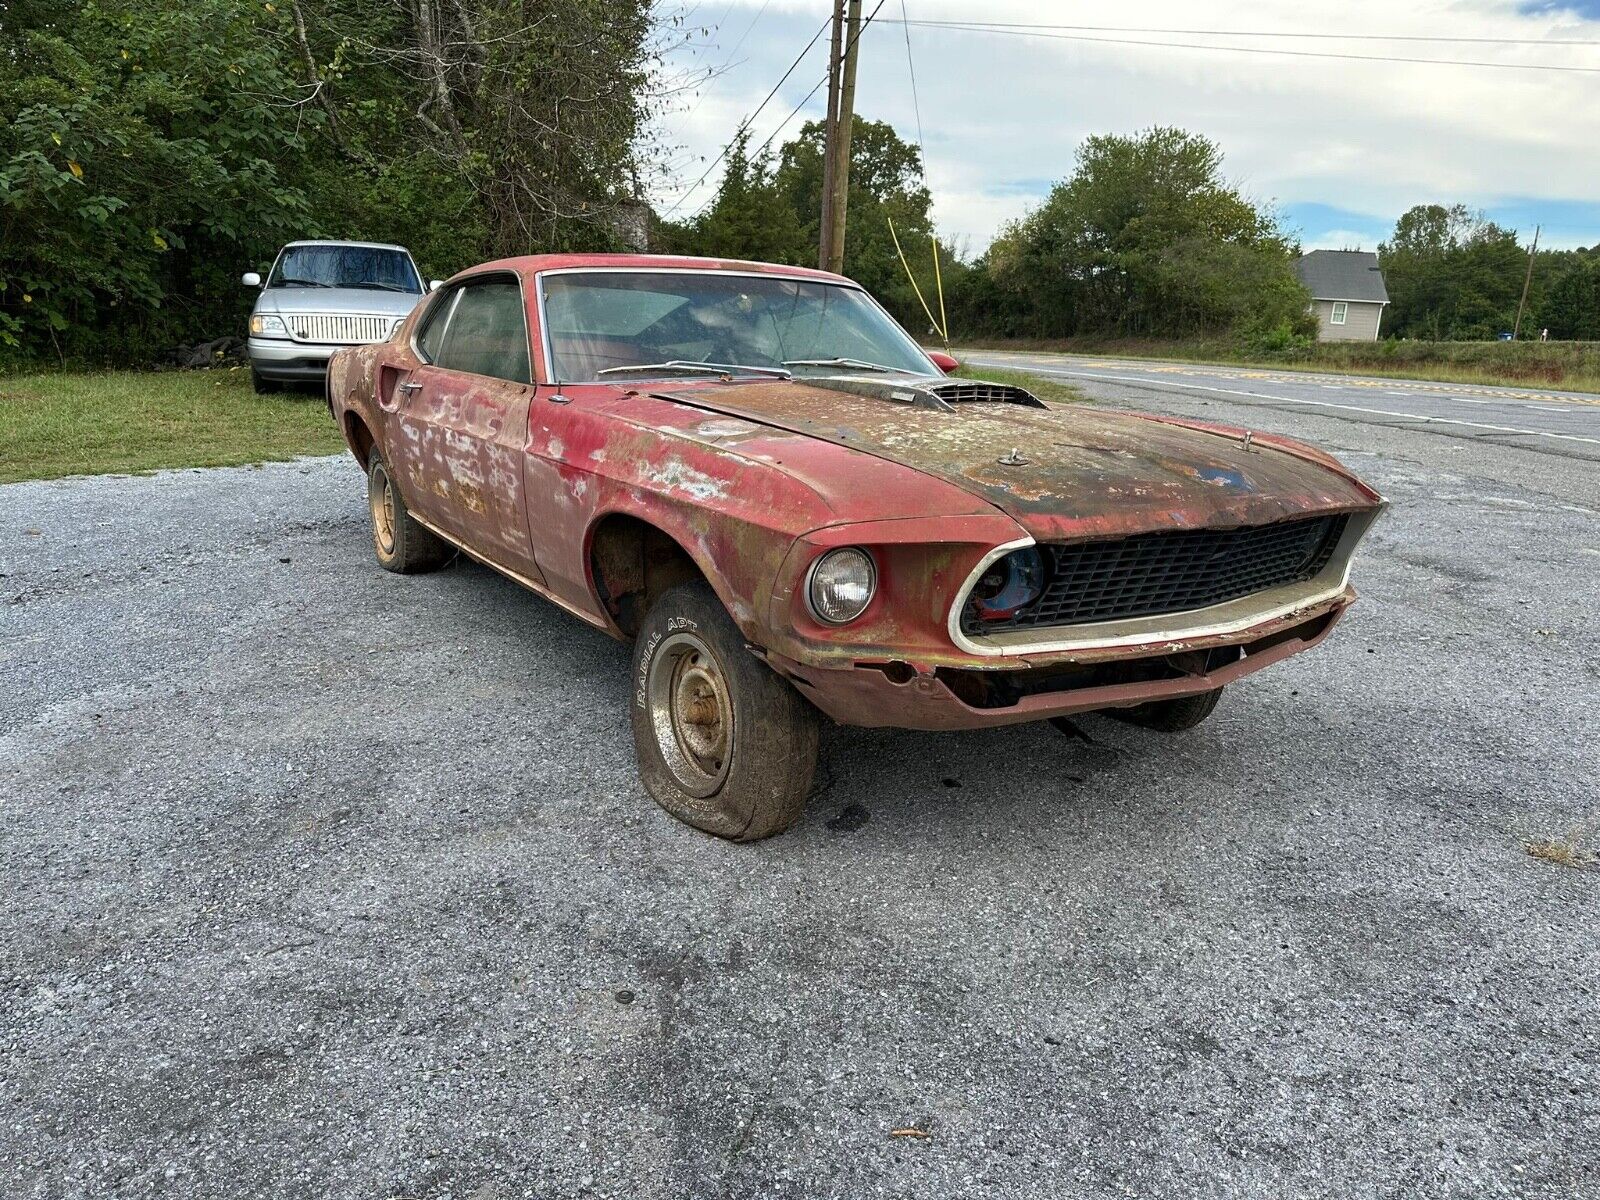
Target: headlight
(841, 585)
(394, 327)
(1009, 584)
(267, 326)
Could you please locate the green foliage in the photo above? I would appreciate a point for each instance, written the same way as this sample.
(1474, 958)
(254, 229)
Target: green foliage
(1454, 276)
(153, 150)
(1571, 307)
(771, 212)
(1146, 237)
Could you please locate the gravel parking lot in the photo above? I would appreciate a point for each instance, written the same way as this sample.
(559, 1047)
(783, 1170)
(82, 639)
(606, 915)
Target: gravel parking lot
(316, 881)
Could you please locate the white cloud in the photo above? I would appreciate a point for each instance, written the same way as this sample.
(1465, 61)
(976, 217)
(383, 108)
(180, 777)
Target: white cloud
(1002, 115)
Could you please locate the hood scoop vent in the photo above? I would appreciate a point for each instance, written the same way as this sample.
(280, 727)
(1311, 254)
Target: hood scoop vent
(941, 394)
(974, 391)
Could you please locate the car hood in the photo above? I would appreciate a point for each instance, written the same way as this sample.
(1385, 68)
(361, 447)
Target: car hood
(1069, 470)
(365, 301)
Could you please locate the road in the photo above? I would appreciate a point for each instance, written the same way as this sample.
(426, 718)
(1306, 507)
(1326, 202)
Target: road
(1551, 422)
(316, 881)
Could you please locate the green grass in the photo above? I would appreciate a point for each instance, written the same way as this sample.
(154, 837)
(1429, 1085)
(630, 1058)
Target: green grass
(125, 421)
(1564, 366)
(1048, 390)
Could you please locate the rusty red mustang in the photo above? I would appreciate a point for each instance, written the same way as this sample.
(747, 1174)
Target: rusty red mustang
(755, 475)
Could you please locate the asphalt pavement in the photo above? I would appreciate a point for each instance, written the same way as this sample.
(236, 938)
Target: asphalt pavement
(1549, 421)
(316, 881)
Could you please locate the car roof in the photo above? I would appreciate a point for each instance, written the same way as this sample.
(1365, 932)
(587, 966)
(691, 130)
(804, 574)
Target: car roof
(531, 263)
(346, 242)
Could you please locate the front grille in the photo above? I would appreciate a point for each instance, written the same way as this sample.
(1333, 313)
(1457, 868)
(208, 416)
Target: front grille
(982, 393)
(1153, 573)
(335, 327)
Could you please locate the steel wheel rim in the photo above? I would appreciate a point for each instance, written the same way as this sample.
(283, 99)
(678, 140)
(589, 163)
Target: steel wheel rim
(691, 712)
(380, 498)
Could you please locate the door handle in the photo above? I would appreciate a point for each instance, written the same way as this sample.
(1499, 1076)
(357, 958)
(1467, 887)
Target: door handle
(408, 388)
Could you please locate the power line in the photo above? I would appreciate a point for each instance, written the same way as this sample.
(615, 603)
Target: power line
(1259, 33)
(817, 87)
(916, 106)
(748, 121)
(1438, 62)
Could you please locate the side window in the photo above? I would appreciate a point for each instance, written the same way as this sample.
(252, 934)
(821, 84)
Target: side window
(432, 332)
(487, 333)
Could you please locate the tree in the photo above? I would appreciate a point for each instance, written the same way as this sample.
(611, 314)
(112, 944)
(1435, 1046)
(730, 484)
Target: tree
(1571, 306)
(1451, 275)
(772, 213)
(1146, 237)
(151, 150)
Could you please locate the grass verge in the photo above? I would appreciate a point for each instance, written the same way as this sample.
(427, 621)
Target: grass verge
(1564, 366)
(126, 421)
(1048, 390)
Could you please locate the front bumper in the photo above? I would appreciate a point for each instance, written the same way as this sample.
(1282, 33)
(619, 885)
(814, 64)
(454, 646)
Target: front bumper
(906, 695)
(280, 358)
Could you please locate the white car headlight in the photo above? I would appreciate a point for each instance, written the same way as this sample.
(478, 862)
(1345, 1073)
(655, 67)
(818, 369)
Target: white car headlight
(266, 325)
(394, 326)
(841, 585)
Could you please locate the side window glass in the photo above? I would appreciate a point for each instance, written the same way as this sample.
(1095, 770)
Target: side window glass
(488, 333)
(432, 333)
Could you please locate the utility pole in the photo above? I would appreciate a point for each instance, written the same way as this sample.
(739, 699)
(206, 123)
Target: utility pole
(1526, 280)
(841, 121)
(835, 60)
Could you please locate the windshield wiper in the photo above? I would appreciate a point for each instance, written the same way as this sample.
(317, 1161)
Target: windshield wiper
(373, 283)
(859, 364)
(301, 283)
(698, 368)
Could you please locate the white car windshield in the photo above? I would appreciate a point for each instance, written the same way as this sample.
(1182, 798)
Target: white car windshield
(621, 323)
(372, 267)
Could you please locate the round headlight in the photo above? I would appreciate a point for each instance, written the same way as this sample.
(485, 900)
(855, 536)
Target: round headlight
(841, 585)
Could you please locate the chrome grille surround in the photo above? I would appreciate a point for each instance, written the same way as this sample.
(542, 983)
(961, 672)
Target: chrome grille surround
(340, 328)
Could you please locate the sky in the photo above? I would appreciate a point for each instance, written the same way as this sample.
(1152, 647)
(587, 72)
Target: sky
(1341, 147)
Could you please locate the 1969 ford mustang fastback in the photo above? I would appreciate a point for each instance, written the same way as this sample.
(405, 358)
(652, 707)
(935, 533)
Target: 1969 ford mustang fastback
(756, 476)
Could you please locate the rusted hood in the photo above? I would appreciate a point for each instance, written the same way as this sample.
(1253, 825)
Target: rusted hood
(1062, 470)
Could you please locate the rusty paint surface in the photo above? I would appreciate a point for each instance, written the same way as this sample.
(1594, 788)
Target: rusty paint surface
(1065, 471)
(752, 481)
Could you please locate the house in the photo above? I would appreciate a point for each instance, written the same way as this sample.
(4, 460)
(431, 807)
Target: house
(1347, 293)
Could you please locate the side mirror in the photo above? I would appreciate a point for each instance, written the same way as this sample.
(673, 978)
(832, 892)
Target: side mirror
(251, 279)
(944, 362)
(435, 284)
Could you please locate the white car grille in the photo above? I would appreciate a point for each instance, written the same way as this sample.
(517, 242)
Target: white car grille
(334, 327)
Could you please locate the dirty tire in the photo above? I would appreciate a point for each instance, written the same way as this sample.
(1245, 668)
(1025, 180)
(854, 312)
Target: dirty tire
(401, 543)
(724, 744)
(1171, 716)
(262, 385)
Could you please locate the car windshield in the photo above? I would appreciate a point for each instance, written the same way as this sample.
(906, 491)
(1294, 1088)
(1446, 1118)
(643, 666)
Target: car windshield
(600, 321)
(346, 267)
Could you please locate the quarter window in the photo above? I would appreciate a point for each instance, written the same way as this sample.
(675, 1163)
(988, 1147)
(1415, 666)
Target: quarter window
(1341, 310)
(483, 331)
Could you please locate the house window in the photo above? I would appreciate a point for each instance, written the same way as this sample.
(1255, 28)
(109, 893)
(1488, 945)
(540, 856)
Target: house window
(1341, 310)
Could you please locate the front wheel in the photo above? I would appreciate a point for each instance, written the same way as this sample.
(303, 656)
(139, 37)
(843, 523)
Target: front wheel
(262, 385)
(724, 744)
(1171, 716)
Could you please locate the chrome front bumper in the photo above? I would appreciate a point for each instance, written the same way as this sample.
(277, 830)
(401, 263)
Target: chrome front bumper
(281, 358)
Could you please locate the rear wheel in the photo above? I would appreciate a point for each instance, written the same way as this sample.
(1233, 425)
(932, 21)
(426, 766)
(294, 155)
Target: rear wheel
(1171, 716)
(401, 542)
(724, 744)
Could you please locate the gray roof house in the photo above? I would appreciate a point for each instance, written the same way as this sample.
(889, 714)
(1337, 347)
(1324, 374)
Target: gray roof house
(1347, 293)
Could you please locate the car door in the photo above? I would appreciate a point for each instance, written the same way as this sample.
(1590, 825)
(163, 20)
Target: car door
(464, 411)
